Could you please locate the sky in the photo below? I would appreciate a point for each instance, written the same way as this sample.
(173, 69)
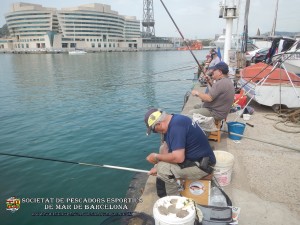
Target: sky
(196, 19)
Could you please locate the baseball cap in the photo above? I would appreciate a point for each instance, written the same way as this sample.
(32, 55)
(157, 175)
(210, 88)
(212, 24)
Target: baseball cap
(220, 66)
(152, 117)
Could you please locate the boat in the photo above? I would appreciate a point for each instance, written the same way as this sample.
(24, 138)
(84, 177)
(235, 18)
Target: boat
(220, 41)
(271, 86)
(196, 45)
(77, 52)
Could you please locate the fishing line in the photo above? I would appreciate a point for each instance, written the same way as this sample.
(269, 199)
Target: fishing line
(77, 163)
(179, 69)
(199, 66)
(175, 72)
(148, 82)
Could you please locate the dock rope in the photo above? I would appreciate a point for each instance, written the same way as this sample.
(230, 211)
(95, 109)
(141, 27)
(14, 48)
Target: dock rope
(289, 118)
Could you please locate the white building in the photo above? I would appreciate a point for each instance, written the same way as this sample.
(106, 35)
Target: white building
(91, 26)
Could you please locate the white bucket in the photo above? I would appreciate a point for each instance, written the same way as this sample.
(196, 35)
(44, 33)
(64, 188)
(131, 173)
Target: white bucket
(246, 116)
(223, 167)
(170, 218)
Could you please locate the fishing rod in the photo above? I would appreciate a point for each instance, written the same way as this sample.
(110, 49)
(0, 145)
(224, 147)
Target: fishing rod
(77, 163)
(199, 66)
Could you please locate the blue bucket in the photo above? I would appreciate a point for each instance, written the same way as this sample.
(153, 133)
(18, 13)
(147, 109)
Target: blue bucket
(235, 127)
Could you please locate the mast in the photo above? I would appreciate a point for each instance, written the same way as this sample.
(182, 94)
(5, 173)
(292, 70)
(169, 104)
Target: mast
(275, 19)
(245, 33)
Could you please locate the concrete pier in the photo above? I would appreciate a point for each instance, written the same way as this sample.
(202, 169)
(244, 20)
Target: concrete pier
(266, 178)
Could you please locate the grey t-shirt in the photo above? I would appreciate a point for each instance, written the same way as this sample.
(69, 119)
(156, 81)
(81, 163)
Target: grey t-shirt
(222, 93)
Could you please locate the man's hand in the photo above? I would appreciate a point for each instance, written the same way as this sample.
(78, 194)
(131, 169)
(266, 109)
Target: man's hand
(152, 158)
(177, 156)
(153, 171)
(195, 93)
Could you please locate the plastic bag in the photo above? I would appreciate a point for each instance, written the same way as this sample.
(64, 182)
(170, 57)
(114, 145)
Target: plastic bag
(205, 123)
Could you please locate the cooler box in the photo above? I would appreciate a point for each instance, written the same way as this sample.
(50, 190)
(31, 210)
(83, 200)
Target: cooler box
(240, 99)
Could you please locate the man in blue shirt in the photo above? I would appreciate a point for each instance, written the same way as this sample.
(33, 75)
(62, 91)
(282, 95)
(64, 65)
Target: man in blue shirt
(184, 150)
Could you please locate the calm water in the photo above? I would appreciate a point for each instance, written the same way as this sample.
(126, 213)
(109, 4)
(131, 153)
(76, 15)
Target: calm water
(80, 108)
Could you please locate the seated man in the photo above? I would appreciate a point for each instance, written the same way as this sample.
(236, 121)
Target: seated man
(185, 146)
(220, 97)
(215, 60)
(211, 59)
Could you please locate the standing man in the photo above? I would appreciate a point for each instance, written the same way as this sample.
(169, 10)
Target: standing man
(220, 97)
(184, 150)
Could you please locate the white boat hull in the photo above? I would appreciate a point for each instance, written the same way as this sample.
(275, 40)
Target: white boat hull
(272, 95)
(77, 52)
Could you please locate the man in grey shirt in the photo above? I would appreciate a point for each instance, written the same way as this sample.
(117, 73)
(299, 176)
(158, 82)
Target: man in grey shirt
(220, 97)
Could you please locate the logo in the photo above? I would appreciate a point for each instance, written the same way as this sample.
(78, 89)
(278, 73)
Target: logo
(13, 204)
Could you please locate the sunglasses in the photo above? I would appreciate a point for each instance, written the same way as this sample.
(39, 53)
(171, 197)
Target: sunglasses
(153, 128)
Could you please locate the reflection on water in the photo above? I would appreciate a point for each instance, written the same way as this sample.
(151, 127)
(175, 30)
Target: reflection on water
(76, 108)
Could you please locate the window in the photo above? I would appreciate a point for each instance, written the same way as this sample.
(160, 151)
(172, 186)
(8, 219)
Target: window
(64, 45)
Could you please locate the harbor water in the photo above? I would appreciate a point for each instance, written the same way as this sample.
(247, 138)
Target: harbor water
(83, 108)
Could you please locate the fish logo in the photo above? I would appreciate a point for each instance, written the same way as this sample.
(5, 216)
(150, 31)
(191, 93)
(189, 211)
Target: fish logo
(13, 204)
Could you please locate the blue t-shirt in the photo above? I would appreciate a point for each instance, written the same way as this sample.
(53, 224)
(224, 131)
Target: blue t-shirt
(182, 134)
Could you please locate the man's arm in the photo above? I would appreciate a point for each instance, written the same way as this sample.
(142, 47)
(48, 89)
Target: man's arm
(204, 97)
(176, 156)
